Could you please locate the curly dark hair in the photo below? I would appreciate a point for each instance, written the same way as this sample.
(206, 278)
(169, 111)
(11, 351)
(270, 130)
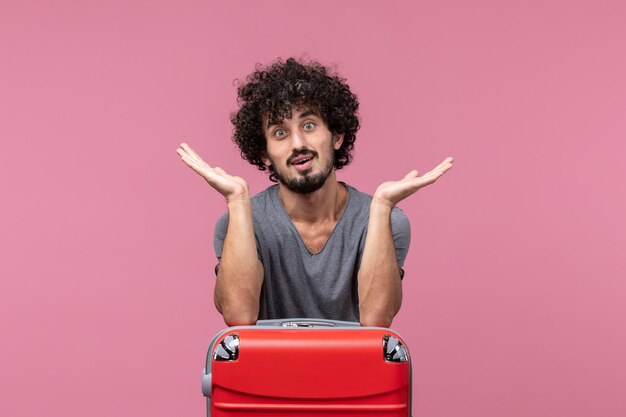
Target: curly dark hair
(270, 93)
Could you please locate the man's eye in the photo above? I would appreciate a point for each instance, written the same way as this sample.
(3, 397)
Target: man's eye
(280, 133)
(309, 126)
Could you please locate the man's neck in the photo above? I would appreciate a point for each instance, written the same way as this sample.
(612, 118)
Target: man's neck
(325, 204)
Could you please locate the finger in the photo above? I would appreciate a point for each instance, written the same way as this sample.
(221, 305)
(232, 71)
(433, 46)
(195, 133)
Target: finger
(199, 164)
(411, 175)
(441, 168)
(191, 162)
(183, 147)
(444, 164)
(182, 152)
(432, 176)
(199, 160)
(190, 151)
(437, 172)
(203, 170)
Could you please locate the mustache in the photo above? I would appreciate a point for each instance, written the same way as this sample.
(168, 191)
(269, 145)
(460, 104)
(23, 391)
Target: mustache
(297, 153)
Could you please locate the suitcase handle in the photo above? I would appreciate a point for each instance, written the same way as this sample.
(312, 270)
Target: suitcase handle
(307, 323)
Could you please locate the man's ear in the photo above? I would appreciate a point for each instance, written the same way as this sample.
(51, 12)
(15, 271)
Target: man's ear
(337, 140)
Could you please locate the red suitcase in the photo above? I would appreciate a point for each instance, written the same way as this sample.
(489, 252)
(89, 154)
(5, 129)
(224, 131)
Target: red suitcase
(307, 368)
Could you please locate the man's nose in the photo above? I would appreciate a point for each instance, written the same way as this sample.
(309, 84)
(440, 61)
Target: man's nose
(298, 141)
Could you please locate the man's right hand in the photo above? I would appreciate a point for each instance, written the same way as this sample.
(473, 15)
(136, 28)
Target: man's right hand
(240, 275)
(231, 187)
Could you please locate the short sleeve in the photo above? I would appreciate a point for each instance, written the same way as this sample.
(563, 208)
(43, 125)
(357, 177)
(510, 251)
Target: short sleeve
(219, 234)
(401, 229)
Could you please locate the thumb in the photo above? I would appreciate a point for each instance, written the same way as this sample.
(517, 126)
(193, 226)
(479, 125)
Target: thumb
(411, 175)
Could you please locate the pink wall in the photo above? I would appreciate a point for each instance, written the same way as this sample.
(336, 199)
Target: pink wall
(514, 293)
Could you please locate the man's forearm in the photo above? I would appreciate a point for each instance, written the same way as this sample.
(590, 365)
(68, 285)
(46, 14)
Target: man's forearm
(240, 273)
(380, 289)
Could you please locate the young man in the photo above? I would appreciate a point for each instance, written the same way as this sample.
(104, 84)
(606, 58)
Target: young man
(309, 246)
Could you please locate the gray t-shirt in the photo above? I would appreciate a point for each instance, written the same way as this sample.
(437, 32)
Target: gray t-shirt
(298, 283)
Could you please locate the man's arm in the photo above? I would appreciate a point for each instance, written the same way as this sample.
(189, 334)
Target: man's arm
(380, 290)
(240, 273)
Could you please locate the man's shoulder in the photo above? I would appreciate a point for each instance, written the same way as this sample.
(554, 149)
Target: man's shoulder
(261, 202)
(265, 201)
(358, 196)
(266, 195)
(359, 207)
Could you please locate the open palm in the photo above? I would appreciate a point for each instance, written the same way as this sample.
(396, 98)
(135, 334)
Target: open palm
(228, 185)
(392, 192)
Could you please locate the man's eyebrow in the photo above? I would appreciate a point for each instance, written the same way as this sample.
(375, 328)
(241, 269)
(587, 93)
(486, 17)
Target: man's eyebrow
(302, 116)
(309, 113)
(269, 123)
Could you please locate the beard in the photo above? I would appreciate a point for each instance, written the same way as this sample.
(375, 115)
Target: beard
(306, 182)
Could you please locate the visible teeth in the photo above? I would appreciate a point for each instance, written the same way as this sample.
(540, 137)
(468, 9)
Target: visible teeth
(303, 161)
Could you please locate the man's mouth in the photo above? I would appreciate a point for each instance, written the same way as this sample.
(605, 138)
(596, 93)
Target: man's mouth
(301, 159)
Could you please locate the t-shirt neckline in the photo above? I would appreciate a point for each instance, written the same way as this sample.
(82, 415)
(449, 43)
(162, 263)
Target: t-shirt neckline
(277, 200)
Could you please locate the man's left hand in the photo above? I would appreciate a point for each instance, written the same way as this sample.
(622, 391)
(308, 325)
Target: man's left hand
(392, 192)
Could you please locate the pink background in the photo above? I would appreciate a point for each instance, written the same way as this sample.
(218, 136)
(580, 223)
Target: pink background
(514, 294)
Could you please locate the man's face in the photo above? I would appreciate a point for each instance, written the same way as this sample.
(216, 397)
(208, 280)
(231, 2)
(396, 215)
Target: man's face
(301, 150)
